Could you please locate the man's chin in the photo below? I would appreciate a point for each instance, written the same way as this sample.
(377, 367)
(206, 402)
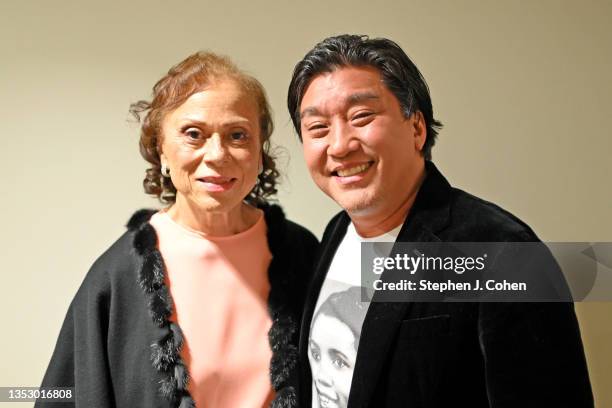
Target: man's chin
(358, 206)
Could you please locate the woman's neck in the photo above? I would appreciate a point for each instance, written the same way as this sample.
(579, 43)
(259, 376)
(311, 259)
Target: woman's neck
(211, 222)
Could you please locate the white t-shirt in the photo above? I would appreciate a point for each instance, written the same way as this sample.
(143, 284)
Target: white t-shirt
(336, 325)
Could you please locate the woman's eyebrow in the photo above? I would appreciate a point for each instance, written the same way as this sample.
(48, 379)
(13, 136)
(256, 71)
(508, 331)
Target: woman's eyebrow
(238, 120)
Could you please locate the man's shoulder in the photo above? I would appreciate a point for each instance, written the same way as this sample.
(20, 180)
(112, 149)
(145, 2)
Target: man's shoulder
(473, 218)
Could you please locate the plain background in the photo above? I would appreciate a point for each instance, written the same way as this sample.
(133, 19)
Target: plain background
(522, 87)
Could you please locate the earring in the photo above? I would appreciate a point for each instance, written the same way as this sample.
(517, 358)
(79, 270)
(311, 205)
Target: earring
(167, 196)
(165, 171)
(261, 168)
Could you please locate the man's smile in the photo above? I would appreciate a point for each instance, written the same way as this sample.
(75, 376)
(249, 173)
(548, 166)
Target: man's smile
(351, 170)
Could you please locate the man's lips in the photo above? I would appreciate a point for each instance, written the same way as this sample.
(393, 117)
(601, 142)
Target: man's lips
(352, 173)
(352, 169)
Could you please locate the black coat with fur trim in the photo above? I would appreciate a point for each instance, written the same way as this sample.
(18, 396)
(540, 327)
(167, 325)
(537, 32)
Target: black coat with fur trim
(117, 347)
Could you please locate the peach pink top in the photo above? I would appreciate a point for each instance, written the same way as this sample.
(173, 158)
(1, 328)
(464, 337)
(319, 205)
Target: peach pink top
(220, 289)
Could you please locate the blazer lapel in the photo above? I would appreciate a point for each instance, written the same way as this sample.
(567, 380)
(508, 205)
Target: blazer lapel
(378, 332)
(429, 214)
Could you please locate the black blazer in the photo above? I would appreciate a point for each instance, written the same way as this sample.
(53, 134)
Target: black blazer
(457, 354)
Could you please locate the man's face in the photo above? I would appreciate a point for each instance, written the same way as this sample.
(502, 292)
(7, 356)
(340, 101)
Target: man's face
(359, 147)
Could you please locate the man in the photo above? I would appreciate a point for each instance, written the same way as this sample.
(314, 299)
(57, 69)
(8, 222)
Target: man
(364, 115)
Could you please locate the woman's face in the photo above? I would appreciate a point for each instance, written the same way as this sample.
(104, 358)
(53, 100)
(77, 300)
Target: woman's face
(211, 145)
(332, 358)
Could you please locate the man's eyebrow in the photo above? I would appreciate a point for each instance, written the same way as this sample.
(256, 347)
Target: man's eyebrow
(350, 100)
(360, 97)
(311, 110)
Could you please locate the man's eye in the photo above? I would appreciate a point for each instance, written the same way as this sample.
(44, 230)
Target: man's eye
(316, 130)
(362, 117)
(316, 126)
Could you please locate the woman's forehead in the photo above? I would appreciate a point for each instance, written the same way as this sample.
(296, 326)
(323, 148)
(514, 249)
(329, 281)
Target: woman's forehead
(224, 101)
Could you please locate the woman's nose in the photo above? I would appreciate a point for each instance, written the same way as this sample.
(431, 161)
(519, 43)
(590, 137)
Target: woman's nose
(214, 151)
(322, 376)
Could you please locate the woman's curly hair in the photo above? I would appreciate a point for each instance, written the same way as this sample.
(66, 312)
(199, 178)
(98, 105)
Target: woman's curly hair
(183, 80)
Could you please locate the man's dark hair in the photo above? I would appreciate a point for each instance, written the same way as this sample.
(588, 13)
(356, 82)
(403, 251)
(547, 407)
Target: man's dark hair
(398, 72)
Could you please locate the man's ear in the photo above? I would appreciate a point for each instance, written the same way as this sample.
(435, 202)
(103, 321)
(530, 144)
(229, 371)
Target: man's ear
(420, 130)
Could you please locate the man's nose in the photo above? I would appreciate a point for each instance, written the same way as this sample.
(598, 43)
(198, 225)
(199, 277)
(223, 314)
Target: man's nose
(342, 140)
(214, 151)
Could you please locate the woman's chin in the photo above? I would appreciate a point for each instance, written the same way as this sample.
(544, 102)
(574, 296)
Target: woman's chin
(325, 402)
(217, 204)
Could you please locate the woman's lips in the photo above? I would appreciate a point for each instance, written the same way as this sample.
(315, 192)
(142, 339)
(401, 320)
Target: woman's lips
(326, 400)
(217, 184)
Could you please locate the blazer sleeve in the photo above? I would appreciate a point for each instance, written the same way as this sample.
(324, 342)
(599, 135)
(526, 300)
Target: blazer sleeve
(80, 357)
(533, 355)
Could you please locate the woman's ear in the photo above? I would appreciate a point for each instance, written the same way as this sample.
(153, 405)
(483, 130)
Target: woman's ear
(163, 161)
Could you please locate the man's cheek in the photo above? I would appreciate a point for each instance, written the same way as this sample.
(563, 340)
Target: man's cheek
(315, 163)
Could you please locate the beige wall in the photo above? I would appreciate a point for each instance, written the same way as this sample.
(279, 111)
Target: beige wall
(523, 88)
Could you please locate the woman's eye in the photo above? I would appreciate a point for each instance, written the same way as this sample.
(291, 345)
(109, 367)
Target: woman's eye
(315, 355)
(238, 135)
(194, 134)
(339, 363)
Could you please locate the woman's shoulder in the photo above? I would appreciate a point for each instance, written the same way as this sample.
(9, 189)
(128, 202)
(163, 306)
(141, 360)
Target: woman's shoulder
(122, 258)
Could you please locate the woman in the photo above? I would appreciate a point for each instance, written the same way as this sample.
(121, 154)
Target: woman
(178, 311)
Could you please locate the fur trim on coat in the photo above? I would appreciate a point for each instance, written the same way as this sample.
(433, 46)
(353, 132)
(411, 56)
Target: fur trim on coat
(165, 352)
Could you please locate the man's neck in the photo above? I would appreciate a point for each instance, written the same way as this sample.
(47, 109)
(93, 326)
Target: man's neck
(372, 225)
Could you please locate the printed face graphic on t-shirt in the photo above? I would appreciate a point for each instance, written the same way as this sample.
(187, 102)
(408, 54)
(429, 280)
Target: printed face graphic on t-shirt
(332, 358)
(337, 321)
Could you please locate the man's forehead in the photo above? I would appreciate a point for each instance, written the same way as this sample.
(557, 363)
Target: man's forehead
(346, 85)
(346, 101)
